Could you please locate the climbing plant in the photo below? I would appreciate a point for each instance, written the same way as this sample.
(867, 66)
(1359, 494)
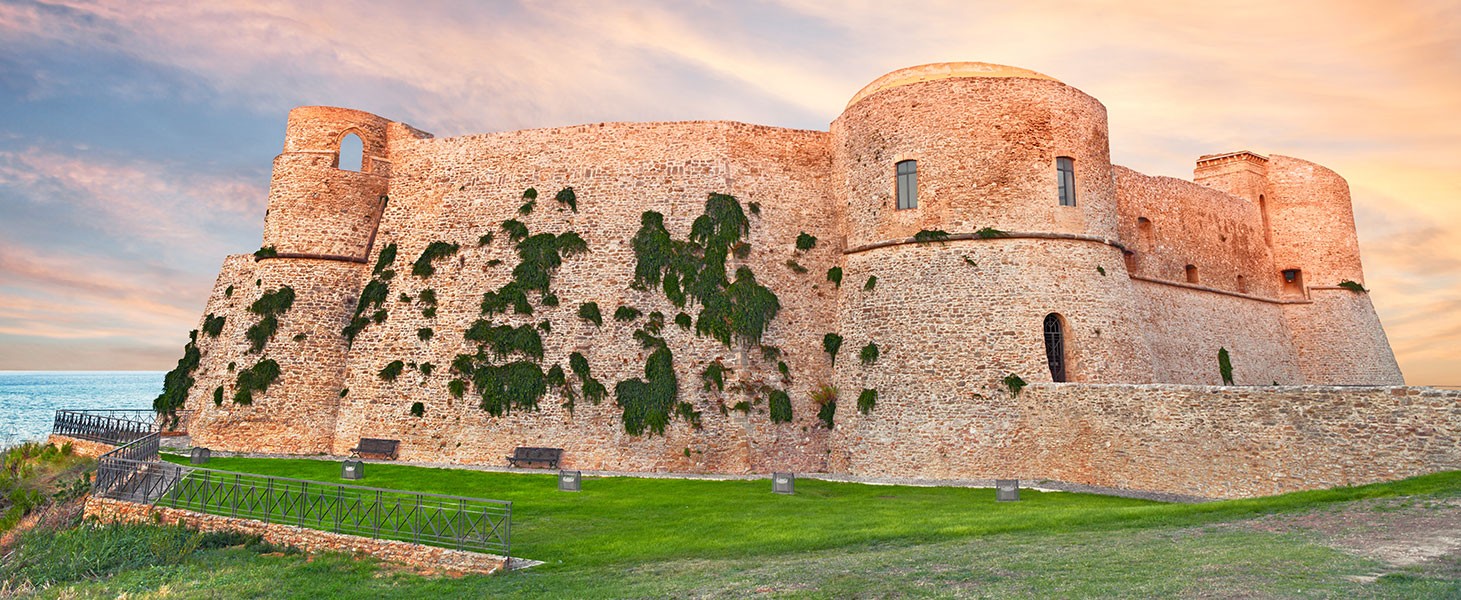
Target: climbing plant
(648, 402)
(834, 275)
(424, 266)
(257, 378)
(867, 400)
(872, 282)
(869, 353)
(213, 325)
(1014, 383)
(567, 197)
(831, 343)
(269, 307)
(179, 381)
(589, 311)
(927, 236)
(778, 404)
(1353, 286)
(825, 398)
(374, 295)
(392, 370)
(805, 241)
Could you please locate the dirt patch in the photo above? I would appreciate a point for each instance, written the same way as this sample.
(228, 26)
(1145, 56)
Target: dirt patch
(1398, 531)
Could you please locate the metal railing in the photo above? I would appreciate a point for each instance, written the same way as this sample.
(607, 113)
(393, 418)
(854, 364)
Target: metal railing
(118, 426)
(458, 522)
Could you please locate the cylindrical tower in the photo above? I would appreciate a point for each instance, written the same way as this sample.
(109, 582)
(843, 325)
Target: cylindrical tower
(1015, 167)
(1335, 329)
(318, 232)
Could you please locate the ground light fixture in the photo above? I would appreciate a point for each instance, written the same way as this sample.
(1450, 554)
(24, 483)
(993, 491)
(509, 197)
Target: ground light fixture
(200, 456)
(352, 469)
(570, 481)
(1006, 490)
(783, 483)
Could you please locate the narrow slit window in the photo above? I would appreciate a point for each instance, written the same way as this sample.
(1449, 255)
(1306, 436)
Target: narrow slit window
(1191, 274)
(1065, 176)
(907, 184)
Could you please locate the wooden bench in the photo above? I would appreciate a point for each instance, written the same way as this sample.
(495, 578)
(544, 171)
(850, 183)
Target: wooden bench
(524, 454)
(375, 448)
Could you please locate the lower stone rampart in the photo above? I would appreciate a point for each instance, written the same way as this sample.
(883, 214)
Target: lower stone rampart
(1217, 442)
(79, 446)
(106, 510)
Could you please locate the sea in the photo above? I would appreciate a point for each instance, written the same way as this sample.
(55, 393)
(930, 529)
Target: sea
(29, 399)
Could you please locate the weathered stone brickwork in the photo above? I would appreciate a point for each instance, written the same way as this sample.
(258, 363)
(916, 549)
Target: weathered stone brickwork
(107, 510)
(951, 318)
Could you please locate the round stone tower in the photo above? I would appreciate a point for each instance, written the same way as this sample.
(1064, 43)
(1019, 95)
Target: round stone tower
(1015, 168)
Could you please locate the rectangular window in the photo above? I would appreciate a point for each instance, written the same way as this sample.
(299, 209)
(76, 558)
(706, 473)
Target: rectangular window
(1065, 176)
(907, 184)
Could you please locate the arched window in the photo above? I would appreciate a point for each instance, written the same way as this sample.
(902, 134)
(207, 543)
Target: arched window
(1055, 347)
(1065, 176)
(1144, 234)
(907, 184)
(351, 156)
(1191, 274)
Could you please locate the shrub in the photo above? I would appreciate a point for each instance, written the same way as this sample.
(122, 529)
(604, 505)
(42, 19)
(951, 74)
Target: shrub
(867, 400)
(424, 266)
(527, 208)
(1225, 366)
(1014, 384)
(212, 325)
(1353, 286)
(392, 370)
(831, 343)
(869, 353)
(834, 275)
(266, 252)
(872, 282)
(805, 241)
(179, 381)
(927, 236)
(418, 409)
(45, 557)
(530, 194)
(779, 405)
(589, 311)
(990, 232)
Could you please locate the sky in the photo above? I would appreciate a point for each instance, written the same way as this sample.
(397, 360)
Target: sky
(136, 137)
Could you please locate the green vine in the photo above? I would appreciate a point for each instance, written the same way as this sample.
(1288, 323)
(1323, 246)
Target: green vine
(374, 295)
(805, 241)
(928, 236)
(392, 370)
(179, 381)
(779, 405)
(867, 400)
(825, 397)
(504, 340)
(795, 267)
(418, 409)
(714, 376)
(593, 390)
(385, 259)
(257, 378)
(872, 282)
(1225, 366)
(834, 275)
(566, 197)
(589, 311)
(425, 333)
(212, 325)
(990, 232)
(269, 306)
(424, 266)
(1353, 286)
(626, 313)
(647, 403)
(869, 353)
(527, 208)
(265, 252)
(516, 231)
(1014, 383)
(831, 343)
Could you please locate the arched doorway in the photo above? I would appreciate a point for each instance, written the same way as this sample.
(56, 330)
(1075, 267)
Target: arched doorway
(1055, 347)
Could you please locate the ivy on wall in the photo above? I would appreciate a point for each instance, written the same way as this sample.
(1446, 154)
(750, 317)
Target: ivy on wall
(867, 400)
(213, 325)
(374, 295)
(425, 264)
(257, 378)
(269, 307)
(179, 381)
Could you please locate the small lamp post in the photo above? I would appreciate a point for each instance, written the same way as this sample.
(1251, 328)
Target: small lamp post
(200, 456)
(783, 483)
(352, 469)
(570, 481)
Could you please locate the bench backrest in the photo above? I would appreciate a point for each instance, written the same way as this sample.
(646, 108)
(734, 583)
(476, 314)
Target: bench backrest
(528, 453)
(377, 446)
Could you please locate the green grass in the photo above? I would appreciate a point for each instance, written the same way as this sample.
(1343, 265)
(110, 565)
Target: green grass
(633, 537)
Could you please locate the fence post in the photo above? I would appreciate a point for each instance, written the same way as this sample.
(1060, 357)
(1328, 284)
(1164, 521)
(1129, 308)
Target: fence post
(377, 514)
(339, 494)
(304, 497)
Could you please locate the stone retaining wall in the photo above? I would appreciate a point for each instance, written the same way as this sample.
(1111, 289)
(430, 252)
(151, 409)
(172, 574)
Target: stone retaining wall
(107, 510)
(81, 447)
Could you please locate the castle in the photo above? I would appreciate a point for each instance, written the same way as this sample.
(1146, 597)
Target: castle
(956, 260)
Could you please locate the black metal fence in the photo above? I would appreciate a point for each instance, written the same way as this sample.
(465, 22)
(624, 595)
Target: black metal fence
(458, 522)
(117, 426)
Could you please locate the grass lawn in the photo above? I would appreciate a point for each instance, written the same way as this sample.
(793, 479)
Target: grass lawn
(630, 537)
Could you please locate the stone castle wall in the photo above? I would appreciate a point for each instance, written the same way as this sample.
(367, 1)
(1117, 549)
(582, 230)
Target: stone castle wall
(463, 188)
(1218, 442)
(952, 319)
